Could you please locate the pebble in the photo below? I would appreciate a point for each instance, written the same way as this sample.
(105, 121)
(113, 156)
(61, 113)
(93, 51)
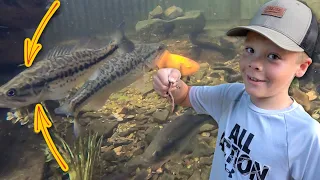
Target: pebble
(205, 134)
(316, 116)
(312, 95)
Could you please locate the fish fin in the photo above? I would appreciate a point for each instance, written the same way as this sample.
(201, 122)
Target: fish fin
(97, 101)
(60, 50)
(63, 110)
(161, 62)
(76, 128)
(119, 37)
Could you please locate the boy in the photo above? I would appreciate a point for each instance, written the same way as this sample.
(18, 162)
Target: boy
(264, 134)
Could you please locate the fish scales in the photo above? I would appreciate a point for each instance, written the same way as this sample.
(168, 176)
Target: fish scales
(53, 77)
(113, 75)
(111, 71)
(66, 66)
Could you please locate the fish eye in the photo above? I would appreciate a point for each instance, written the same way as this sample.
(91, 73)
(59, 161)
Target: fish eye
(11, 92)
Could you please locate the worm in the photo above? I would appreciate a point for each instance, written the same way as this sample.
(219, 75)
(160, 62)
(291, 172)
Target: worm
(170, 95)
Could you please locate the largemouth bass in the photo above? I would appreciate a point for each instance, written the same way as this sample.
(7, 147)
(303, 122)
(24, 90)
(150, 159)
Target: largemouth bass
(53, 77)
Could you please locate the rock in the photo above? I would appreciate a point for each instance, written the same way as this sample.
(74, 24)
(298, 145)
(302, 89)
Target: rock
(161, 115)
(206, 161)
(205, 173)
(192, 21)
(195, 175)
(200, 74)
(316, 116)
(186, 171)
(205, 134)
(301, 98)
(207, 127)
(312, 95)
(203, 149)
(156, 30)
(146, 89)
(173, 12)
(156, 13)
(102, 127)
(129, 131)
(166, 176)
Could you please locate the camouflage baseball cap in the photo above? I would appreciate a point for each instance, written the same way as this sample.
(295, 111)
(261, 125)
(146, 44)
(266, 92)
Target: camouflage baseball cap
(288, 23)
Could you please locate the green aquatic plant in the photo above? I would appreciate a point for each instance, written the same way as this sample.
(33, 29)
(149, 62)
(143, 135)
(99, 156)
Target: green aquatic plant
(81, 157)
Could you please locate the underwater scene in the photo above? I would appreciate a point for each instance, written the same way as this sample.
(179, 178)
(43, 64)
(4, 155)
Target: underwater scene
(77, 100)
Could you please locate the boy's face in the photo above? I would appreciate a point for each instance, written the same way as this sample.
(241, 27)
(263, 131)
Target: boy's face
(267, 69)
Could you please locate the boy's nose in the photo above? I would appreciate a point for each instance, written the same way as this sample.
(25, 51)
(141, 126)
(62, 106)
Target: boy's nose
(256, 65)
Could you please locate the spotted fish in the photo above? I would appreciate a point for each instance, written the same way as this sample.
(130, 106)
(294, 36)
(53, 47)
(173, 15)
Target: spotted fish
(115, 74)
(53, 77)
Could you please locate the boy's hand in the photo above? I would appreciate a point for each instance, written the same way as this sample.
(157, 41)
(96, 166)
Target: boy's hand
(165, 79)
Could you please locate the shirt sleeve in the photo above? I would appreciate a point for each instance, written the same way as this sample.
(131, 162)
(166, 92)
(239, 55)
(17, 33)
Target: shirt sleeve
(213, 100)
(304, 154)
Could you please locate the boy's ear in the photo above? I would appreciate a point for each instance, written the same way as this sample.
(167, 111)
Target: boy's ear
(303, 67)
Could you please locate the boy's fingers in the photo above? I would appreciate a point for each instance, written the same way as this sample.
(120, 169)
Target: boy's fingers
(159, 87)
(174, 75)
(163, 74)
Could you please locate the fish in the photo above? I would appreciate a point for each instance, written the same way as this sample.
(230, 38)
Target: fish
(53, 77)
(113, 75)
(170, 141)
(186, 66)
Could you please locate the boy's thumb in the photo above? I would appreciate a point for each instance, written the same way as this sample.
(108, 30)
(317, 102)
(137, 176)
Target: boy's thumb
(174, 75)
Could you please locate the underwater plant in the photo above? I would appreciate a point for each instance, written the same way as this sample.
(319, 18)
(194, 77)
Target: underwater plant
(81, 156)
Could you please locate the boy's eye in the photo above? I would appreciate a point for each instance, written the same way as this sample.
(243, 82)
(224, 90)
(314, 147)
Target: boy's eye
(273, 56)
(249, 50)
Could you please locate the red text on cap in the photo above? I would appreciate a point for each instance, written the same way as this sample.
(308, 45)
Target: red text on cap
(274, 11)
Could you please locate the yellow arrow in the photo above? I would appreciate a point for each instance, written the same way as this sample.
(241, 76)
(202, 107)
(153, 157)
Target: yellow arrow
(42, 123)
(31, 47)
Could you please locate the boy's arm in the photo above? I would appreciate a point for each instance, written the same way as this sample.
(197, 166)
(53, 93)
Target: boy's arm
(181, 94)
(212, 100)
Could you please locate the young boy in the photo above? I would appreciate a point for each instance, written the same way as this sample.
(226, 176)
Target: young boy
(264, 134)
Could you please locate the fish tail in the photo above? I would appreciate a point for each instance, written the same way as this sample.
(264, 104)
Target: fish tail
(120, 38)
(76, 128)
(63, 110)
(161, 62)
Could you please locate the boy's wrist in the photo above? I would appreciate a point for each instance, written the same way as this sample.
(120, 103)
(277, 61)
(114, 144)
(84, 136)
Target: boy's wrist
(181, 93)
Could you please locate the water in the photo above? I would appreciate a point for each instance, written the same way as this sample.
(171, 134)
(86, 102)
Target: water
(131, 117)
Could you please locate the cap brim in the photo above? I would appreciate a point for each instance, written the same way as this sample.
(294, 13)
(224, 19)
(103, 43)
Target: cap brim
(276, 37)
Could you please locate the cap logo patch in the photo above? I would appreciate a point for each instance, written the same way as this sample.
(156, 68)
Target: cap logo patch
(274, 11)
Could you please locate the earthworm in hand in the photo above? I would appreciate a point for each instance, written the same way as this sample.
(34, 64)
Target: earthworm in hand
(170, 95)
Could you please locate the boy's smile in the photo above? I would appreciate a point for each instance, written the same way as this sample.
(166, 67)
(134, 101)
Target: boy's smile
(268, 70)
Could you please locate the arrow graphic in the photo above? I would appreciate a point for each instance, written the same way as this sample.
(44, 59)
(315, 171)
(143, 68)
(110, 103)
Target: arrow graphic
(32, 47)
(42, 123)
